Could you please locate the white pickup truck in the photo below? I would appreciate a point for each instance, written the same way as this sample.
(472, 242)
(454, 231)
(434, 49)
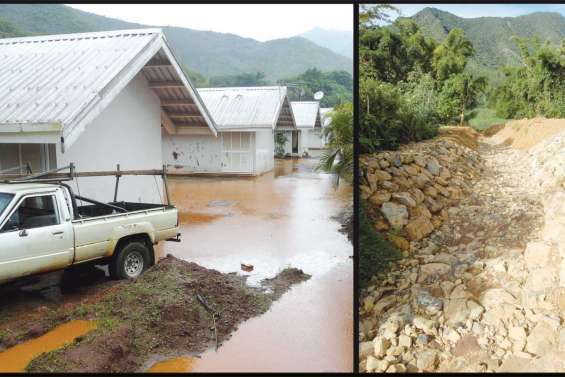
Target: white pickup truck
(43, 229)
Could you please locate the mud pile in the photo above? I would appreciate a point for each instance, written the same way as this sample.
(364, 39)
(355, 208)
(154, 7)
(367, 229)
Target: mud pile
(160, 313)
(410, 191)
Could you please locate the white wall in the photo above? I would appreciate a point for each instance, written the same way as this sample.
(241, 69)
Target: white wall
(127, 132)
(194, 153)
(315, 139)
(207, 154)
(303, 144)
(264, 151)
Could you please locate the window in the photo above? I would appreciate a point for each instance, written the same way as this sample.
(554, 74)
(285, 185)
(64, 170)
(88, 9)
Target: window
(41, 157)
(33, 212)
(5, 199)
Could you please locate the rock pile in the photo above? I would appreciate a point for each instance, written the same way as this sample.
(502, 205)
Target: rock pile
(410, 191)
(485, 290)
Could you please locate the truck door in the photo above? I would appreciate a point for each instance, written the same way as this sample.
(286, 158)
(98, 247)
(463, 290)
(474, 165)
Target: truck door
(37, 236)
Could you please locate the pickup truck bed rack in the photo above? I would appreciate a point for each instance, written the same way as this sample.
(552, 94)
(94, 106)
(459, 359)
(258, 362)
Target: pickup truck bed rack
(56, 177)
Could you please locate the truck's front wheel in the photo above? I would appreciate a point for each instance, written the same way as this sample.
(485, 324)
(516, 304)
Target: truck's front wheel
(130, 262)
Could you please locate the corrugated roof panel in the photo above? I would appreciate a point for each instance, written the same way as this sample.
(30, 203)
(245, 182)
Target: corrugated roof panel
(246, 107)
(68, 79)
(306, 113)
(49, 79)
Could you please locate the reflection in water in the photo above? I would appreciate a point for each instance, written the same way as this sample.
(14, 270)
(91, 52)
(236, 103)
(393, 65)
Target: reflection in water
(176, 365)
(280, 219)
(17, 358)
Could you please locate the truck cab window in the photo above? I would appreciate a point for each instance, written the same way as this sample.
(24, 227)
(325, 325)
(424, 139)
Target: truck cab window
(33, 212)
(5, 199)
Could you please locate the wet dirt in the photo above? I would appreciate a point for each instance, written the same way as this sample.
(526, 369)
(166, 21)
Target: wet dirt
(289, 217)
(17, 358)
(159, 313)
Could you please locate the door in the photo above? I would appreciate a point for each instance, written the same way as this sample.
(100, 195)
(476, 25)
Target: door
(237, 152)
(35, 237)
(294, 141)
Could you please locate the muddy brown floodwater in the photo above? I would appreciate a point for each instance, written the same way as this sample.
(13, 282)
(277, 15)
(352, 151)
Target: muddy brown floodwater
(280, 219)
(17, 358)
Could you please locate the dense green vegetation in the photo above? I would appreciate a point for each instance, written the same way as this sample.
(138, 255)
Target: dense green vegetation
(209, 53)
(522, 57)
(375, 253)
(492, 36)
(410, 83)
(338, 156)
(537, 87)
(336, 85)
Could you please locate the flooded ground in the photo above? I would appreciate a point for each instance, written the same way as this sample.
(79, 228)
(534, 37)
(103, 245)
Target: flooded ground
(278, 220)
(17, 358)
(254, 227)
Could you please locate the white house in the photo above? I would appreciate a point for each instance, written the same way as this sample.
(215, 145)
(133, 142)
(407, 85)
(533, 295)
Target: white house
(246, 119)
(97, 100)
(307, 137)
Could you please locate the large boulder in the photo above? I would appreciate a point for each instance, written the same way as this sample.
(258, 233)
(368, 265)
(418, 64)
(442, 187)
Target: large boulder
(396, 214)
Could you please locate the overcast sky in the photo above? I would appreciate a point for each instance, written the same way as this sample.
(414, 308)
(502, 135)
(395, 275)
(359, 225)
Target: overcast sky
(482, 10)
(261, 22)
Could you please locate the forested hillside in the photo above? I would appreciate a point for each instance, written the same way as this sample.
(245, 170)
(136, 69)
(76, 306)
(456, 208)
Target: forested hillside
(492, 37)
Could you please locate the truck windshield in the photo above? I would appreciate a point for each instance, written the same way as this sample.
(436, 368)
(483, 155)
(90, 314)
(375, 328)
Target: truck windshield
(5, 199)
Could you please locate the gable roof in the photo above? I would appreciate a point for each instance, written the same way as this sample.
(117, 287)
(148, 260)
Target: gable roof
(61, 83)
(307, 114)
(249, 107)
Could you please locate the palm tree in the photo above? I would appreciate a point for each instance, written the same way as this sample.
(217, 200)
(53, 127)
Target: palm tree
(338, 159)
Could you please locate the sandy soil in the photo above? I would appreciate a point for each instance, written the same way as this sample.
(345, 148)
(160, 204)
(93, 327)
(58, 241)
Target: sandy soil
(525, 133)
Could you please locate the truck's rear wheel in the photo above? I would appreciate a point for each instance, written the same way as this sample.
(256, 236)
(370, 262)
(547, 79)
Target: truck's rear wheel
(130, 262)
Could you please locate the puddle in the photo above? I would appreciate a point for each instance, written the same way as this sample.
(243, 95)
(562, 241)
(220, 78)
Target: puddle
(181, 364)
(280, 219)
(17, 358)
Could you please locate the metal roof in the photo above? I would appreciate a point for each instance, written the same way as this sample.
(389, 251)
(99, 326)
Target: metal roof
(248, 107)
(307, 114)
(61, 83)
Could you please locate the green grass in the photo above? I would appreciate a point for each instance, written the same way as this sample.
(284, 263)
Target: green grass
(375, 253)
(482, 118)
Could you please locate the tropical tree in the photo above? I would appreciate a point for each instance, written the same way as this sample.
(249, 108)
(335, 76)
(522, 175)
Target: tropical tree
(450, 57)
(371, 14)
(280, 141)
(537, 87)
(458, 94)
(338, 158)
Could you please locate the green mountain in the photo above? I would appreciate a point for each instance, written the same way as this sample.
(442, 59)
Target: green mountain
(340, 41)
(210, 53)
(491, 36)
